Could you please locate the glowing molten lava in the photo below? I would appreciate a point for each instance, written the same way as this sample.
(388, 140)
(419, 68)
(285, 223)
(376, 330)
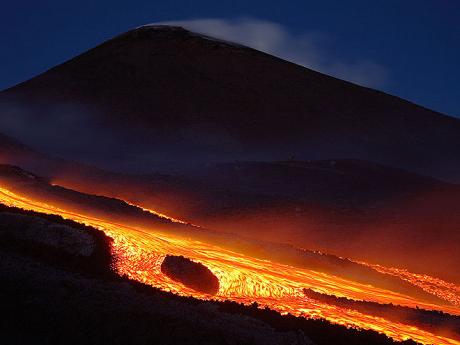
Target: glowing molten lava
(139, 254)
(438, 287)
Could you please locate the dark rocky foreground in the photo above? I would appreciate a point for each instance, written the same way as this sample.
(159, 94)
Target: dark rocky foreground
(57, 287)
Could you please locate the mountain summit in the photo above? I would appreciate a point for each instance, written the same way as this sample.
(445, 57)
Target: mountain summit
(185, 95)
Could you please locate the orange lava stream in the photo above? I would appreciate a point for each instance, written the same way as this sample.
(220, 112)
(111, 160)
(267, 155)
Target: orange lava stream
(139, 254)
(445, 290)
(161, 215)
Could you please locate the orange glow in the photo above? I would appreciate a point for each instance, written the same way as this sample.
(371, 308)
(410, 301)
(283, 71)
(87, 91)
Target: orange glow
(438, 287)
(139, 254)
(158, 214)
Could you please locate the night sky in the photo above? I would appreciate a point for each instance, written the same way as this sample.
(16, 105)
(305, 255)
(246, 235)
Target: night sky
(407, 48)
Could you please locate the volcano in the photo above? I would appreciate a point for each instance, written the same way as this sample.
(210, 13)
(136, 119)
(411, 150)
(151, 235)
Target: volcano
(164, 93)
(184, 175)
(179, 96)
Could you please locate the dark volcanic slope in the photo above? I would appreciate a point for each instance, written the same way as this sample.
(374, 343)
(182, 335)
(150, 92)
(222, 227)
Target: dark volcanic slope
(56, 287)
(189, 273)
(16, 153)
(347, 182)
(11, 150)
(214, 99)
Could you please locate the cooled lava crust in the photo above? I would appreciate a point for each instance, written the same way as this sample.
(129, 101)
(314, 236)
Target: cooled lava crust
(190, 273)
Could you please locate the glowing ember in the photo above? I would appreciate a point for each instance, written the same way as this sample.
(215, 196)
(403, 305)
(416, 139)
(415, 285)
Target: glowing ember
(139, 255)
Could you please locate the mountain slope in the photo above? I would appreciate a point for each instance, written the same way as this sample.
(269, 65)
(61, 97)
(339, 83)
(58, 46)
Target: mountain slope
(350, 208)
(343, 207)
(16, 183)
(176, 95)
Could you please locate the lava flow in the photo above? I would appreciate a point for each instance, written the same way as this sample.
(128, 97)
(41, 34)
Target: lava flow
(438, 287)
(139, 254)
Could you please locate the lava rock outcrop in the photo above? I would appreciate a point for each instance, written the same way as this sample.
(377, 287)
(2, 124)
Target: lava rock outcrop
(190, 273)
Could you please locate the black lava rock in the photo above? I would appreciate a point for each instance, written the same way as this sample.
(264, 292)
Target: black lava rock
(192, 274)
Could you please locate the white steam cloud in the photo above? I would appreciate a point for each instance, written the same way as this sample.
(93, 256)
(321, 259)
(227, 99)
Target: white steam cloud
(302, 49)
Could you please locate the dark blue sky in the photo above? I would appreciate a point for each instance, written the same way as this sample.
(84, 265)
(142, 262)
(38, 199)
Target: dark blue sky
(416, 42)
